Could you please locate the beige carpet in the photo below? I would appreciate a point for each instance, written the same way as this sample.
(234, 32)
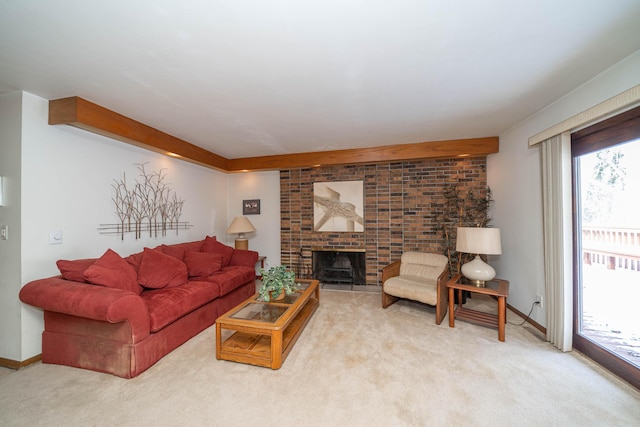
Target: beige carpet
(355, 364)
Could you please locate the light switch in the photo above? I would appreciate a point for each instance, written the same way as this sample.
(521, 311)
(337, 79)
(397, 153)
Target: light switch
(4, 232)
(55, 237)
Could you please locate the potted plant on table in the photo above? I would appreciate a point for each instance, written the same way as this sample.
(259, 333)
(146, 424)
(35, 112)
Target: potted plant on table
(276, 283)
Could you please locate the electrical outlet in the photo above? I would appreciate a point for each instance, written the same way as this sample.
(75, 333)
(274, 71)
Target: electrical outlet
(540, 301)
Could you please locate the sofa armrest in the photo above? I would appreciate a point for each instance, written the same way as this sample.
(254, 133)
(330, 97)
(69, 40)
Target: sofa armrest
(391, 270)
(244, 257)
(89, 301)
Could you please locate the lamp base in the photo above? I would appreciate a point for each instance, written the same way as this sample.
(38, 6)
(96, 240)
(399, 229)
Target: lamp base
(242, 244)
(478, 271)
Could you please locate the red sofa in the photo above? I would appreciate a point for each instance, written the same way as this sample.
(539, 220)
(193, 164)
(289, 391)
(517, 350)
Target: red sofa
(121, 315)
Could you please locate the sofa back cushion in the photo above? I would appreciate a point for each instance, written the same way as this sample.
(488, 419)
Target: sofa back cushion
(202, 264)
(212, 245)
(112, 271)
(158, 270)
(74, 269)
(173, 250)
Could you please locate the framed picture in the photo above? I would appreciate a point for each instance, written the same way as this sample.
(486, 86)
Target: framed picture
(251, 207)
(338, 206)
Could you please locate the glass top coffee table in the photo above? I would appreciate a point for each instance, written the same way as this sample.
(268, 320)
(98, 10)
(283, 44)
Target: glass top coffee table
(263, 333)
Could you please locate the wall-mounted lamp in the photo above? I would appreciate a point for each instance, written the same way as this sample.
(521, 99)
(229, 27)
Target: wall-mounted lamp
(241, 225)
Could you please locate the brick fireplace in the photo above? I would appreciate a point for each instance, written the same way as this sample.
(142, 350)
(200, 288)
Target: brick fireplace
(400, 199)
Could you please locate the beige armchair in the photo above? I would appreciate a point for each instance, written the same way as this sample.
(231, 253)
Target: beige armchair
(417, 276)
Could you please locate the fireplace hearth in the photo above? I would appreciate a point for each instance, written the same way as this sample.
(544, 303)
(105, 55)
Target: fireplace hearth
(344, 267)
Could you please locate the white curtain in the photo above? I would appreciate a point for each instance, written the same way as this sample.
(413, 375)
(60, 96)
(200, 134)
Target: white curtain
(555, 159)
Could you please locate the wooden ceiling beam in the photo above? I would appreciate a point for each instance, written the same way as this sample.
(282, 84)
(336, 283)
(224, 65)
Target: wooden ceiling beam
(388, 153)
(78, 112)
(86, 115)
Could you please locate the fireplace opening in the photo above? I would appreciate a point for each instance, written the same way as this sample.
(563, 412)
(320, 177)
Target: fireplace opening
(339, 267)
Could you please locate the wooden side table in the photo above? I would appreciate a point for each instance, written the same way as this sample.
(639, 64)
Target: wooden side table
(497, 287)
(261, 259)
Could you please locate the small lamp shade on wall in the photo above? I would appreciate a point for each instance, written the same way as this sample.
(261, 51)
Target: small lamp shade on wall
(241, 225)
(2, 191)
(479, 241)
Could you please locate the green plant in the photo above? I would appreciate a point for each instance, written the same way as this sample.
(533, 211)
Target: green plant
(275, 281)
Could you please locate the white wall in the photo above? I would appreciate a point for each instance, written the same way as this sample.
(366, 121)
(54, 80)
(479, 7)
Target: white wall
(66, 184)
(266, 187)
(514, 177)
(10, 125)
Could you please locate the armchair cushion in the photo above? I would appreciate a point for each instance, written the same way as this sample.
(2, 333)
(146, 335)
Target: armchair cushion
(413, 287)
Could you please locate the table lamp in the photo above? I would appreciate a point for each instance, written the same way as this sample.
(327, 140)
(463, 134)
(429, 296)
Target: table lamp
(241, 225)
(478, 240)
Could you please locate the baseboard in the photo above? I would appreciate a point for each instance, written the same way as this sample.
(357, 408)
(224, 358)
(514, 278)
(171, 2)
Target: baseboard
(530, 321)
(14, 364)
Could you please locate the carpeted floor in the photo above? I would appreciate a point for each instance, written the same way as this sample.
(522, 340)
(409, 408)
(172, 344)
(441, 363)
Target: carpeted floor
(355, 364)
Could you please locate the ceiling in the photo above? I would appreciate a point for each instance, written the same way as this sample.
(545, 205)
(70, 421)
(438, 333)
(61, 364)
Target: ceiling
(245, 78)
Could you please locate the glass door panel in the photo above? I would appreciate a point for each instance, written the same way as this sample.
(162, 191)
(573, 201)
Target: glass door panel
(607, 234)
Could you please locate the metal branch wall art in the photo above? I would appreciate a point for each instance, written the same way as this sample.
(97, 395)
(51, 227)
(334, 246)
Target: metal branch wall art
(148, 206)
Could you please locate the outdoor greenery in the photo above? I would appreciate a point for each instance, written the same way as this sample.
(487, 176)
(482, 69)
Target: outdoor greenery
(607, 179)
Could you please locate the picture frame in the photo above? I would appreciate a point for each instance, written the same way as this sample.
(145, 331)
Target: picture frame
(251, 207)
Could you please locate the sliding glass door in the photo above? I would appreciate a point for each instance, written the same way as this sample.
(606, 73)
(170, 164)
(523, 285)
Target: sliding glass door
(607, 245)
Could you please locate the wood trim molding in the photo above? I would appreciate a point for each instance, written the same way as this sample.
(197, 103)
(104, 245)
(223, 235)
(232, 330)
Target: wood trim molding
(14, 364)
(80, 113)
(529, 320)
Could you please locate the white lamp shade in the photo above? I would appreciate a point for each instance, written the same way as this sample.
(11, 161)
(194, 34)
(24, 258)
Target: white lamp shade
(240, 225)
(478, 240)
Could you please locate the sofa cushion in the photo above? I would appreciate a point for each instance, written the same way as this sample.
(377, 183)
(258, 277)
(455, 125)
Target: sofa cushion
(175, 251)
(212, 245)
(230, 278)
(201, 264)
(111, 271)
(74, 269)
(158, 270)
(169, 304)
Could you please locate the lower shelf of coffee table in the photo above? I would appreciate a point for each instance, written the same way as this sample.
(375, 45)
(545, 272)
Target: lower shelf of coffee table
(256, 349)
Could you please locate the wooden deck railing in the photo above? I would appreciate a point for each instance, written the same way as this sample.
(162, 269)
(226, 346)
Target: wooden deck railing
(617, 248)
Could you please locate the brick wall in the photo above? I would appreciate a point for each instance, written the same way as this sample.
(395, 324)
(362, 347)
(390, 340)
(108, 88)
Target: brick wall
(399, 201)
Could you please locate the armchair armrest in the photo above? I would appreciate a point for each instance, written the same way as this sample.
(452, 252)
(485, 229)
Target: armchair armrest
(89, 301)
(442, 295)
(391, 270)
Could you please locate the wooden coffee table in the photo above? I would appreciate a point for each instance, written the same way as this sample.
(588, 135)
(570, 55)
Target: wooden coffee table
(264, 333)
(497, 287)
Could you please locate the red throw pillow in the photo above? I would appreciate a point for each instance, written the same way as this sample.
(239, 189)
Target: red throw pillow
(111, 271)
(158, 270)
(174, 251)
(212, 245)
(134, 260)
(74, 269)
(202, 263)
